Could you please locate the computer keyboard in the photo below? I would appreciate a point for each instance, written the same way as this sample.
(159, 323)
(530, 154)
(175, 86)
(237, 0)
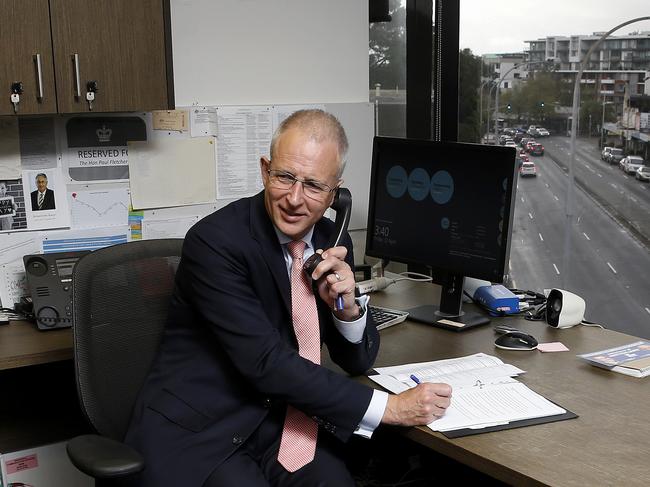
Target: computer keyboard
(385, 317)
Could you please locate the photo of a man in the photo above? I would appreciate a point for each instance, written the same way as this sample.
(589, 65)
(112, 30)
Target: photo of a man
(42, 198)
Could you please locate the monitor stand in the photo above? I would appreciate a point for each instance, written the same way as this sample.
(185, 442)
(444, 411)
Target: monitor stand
(449, 315)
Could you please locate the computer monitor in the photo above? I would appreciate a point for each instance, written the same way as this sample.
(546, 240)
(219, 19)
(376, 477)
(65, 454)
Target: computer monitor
(447, 206)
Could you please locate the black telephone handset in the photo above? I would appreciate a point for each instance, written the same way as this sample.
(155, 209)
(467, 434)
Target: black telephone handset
(342, 204)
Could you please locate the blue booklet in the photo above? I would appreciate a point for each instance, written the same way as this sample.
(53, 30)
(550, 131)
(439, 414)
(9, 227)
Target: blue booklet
(630, 359)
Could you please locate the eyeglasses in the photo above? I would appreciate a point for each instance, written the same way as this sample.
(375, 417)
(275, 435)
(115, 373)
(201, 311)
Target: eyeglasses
(313, 189)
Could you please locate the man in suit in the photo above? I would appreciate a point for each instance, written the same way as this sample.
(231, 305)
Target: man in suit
(42, 198)
(236, 395)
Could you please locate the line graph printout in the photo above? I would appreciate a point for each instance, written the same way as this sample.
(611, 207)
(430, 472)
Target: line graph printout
(93, 208)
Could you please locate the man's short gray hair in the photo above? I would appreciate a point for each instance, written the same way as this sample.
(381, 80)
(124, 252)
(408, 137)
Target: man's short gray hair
(319, 126)
(41, 174)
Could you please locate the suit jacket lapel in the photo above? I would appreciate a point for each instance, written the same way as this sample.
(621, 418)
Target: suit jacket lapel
(263, 232)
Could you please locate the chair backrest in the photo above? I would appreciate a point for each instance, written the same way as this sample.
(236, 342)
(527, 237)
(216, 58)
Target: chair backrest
(121, 297)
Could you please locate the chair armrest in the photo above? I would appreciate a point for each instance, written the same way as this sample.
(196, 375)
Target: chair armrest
(102, 457)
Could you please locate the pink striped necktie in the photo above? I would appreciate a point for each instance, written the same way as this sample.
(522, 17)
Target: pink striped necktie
(298, 443)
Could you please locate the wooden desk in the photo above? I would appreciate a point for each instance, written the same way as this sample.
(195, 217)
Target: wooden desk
(39, 398)
(22, 344)
(609, 444)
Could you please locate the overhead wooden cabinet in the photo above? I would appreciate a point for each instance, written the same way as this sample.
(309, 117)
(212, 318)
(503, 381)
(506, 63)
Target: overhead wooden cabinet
(120, 50)
(26, 57)
(117, 44)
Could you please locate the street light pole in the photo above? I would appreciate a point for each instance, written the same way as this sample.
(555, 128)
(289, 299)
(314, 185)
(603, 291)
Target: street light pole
(570, 204)
(602, 124)
(480, 103)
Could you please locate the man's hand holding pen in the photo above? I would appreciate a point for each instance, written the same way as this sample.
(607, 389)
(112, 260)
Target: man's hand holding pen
(418, 406)
(335, 282)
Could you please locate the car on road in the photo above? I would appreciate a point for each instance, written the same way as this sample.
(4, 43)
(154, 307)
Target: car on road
(528, 168)
(510, 143)
(630, 164)
(542, 132)
(643, 173)
(605, 152)
(529, 144)
(536, 149)
(615, 155)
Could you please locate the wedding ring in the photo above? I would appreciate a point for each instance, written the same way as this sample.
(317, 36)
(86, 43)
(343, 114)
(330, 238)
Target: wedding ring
(338, 277)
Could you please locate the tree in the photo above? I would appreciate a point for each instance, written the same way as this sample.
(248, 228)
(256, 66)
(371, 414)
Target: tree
(469, 79)
(387, 49)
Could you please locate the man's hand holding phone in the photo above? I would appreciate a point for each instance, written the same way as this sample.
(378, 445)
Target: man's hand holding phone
(335, 283)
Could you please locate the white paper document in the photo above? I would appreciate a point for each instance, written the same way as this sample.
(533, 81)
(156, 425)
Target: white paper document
(98, 206)
(244, 135)
(168, 172)
(9, 148)
(169, 228)
(203, 121)
(13, 247)
(483, 391)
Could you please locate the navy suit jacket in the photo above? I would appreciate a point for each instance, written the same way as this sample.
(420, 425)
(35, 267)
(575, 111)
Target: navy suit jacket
(229, 352)
(48, 200)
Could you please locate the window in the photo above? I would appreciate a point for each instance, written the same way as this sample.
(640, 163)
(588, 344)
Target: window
(388, 71)
(597, 247)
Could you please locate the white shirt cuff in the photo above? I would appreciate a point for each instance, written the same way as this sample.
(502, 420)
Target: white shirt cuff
(373, 415)
(353, 330)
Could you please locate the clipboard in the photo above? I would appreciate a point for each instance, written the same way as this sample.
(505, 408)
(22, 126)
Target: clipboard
(513, 424)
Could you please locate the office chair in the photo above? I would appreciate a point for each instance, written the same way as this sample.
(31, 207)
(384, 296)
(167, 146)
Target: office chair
(121, 296)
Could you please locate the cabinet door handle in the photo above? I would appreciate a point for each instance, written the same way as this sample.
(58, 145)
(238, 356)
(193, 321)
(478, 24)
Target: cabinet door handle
(77, 81)
(39, 76)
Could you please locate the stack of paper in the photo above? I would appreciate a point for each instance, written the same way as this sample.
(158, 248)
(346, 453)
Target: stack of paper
(483, 391)
(630, 359)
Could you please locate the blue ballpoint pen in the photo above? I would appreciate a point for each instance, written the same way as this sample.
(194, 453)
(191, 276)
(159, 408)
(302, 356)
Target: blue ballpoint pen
(415, 379)
(339, 303)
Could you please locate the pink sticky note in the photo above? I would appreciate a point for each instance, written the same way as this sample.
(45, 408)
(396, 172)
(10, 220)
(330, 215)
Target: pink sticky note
(552, 347)
(22, 463)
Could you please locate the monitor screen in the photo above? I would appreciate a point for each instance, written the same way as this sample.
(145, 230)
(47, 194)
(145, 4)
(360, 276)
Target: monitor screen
(445, 205)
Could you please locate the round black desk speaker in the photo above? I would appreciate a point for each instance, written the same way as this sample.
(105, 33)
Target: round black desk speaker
(564, 309)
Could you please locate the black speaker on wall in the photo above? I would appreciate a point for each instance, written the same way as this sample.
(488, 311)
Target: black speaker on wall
(378, 11)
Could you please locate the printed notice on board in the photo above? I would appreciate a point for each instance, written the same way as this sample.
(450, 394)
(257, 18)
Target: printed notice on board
(95, 148)
(171, 120)
(244, 135)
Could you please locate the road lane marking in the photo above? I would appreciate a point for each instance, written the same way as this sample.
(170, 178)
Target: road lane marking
(613, 185)
(540, 237)
(633, 199)
(530, 215)
(647, 309)
(522, 199)
(600, 175)
(625, 176)
(546, 184)
(556, 269)
(612, 268)
(556, 198)
(586, 236)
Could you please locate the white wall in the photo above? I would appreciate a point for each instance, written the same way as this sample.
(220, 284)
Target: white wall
(248, 52)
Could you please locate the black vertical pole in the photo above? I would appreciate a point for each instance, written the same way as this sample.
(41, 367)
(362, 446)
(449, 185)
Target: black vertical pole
(445, 70)
(419, 42)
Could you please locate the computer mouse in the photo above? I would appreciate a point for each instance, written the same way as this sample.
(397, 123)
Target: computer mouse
(516, 340)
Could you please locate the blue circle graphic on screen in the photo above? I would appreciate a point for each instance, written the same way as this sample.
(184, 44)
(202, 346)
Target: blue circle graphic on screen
(419, 184)
(396, 181)
(442, 187)
(444, 223)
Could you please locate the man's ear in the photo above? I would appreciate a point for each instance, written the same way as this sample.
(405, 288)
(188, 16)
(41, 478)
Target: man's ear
(265, 164)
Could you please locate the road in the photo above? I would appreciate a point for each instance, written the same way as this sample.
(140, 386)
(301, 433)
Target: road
(609, 264)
